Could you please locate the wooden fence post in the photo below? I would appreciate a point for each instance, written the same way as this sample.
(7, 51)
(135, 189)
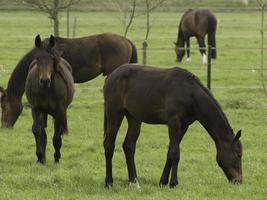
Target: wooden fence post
(74, 27)
(209, 67)
(144, 52)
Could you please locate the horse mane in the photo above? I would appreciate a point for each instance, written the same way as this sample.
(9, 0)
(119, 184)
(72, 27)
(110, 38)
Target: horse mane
(180, 32)
(186, 12)
(19, 75)
(217, 105)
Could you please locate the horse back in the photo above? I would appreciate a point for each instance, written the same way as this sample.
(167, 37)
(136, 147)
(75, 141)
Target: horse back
(149, 94)
(198, 22)
(92, 55)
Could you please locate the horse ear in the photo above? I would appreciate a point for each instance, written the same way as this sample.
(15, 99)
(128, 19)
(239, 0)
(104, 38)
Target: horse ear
(52, 41)
(237, 136)
(38, 41)
(2, 90)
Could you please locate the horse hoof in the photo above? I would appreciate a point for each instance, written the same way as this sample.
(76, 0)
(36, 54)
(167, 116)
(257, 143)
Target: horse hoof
(134, 184)
(56, 162)
(163, 183)
(188, 60)
(204, 59)
(173, 185)
(41, 161)
(108, 185)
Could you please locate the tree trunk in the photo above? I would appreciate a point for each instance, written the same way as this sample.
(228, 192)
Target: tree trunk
(56, 26)
(55, 18)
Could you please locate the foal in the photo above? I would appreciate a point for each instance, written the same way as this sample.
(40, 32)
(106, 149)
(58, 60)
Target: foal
(49, 89)
(174, 97)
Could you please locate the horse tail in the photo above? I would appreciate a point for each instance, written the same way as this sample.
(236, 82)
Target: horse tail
(65, 129)
(134, 58)
(105, 124)
(212, 27)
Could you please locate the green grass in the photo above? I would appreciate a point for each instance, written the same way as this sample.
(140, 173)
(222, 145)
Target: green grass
(80, 174)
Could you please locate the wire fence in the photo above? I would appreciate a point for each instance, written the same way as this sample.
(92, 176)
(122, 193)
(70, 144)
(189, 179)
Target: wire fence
(246, 65)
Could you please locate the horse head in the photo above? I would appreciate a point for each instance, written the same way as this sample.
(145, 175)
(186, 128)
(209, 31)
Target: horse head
(229, 160)
(180, 52)
(46, 60)
(11, 108)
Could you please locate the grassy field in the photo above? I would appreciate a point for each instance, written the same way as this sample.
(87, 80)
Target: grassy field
(80, 174)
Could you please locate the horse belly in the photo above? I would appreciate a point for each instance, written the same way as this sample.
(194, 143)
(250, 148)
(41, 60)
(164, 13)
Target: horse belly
(147, 111)
(85, 74)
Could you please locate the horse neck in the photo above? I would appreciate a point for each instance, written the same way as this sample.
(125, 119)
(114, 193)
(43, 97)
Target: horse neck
(180, 38)
(16, 83)
(214, 121)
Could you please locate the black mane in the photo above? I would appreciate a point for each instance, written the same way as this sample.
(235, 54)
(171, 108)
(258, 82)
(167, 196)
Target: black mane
(19, 75)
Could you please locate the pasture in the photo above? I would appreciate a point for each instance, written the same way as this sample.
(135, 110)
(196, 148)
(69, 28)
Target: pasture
(80, 174)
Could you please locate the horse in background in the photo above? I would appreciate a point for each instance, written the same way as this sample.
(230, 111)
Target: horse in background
(174, 97)
(49, 89)
(196, 23)
(88, 57)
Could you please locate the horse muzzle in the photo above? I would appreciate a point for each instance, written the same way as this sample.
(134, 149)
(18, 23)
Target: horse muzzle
(45, 83)
(6, 125)
(236, 181)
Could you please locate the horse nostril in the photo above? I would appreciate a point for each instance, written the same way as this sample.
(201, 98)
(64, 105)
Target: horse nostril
(236, 181)
(45, 82)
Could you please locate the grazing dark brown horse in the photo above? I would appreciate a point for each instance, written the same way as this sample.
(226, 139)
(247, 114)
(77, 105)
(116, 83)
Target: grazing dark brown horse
(174, 97)
(88, 56)
(49, 89)
(196, 23)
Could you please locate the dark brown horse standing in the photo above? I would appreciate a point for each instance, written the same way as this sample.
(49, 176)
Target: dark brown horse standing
(88, 56)
(196, 23)
(174, 97)
(49, 89)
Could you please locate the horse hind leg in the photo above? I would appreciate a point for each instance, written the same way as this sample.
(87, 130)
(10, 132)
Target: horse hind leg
(112, 123)
(129, 146)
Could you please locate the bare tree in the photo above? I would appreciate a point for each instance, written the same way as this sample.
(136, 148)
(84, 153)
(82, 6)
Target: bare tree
(150, 5)
(127, 10)
(52, 8)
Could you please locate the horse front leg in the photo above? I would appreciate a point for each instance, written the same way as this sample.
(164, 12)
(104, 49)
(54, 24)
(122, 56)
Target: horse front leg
(60, 119)
(202, 48)
(176, 133)
(164, 180)
(188, 59)
(39, 133)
